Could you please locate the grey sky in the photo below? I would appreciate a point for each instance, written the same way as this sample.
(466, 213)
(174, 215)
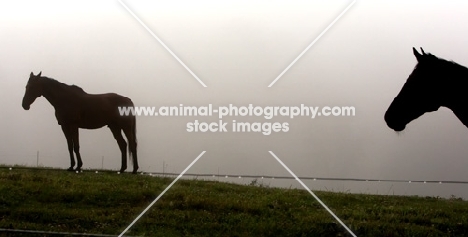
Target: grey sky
(238, 48)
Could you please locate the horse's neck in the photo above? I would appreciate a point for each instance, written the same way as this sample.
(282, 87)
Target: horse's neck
(461, 113)
(456, 96)
(57, 94)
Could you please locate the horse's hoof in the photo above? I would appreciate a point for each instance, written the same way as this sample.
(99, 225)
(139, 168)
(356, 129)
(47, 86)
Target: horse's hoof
(70, 169)
(134, 172)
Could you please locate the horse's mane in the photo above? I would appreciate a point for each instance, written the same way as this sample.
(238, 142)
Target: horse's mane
(451, 65)
(54, 82)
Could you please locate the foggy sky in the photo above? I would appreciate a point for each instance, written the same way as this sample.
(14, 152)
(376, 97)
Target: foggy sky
(237, 49)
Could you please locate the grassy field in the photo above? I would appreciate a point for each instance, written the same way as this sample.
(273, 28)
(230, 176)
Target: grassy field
(106, 203)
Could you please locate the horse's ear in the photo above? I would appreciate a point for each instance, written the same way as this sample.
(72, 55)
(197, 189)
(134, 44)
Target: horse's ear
(422, 51)
(417, 54)
(31, 75)
(39, 74)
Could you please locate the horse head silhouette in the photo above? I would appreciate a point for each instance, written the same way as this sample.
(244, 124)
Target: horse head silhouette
(434, 82)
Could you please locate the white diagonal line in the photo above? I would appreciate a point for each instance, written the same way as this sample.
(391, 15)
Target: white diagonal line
(312, 193)
(160, 195)
(162, 43)
(313, 42)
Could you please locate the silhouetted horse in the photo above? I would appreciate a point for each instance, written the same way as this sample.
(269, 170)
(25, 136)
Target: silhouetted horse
(434, 82)
(74, 109)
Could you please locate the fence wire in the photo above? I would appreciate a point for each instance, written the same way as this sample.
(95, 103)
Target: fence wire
(241, 176)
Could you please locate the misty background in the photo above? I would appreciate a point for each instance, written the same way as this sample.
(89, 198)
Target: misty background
(237, 48)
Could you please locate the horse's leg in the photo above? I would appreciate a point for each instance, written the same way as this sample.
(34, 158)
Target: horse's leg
(66, 131)
(122, 145)
(76, 146)
(131, 137)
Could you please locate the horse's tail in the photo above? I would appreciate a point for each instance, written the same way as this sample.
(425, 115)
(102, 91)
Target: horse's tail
(130, 132)
(132, 142)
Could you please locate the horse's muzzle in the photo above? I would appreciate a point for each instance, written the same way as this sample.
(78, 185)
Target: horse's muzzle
(398, 128)
(394, 124)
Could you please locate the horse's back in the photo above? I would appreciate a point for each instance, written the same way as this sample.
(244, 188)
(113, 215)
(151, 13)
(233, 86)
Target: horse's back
(106, 101)
(98, 110)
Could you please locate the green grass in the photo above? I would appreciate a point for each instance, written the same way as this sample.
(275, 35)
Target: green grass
(106, 203)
